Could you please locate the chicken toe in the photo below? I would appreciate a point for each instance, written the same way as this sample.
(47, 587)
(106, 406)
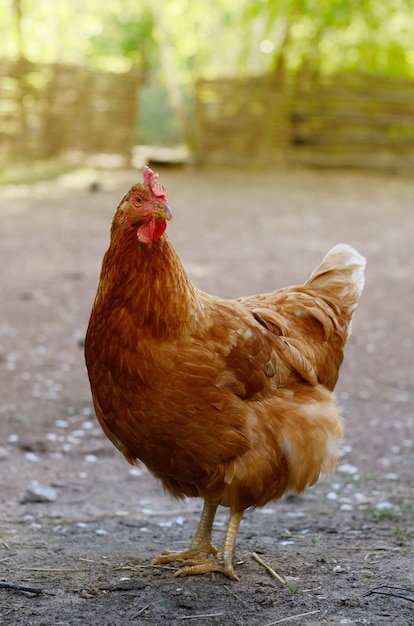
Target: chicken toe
(211, 564)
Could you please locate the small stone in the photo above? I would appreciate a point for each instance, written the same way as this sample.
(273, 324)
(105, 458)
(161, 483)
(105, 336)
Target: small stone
(91, 593)
(90, 458)
(347, 468)
(383, 506)
(40, 493)
(32, 457)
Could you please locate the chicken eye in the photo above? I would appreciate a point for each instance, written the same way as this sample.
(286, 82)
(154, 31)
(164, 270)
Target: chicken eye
(137, 200)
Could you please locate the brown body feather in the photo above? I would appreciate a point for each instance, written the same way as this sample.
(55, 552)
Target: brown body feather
(230, 400)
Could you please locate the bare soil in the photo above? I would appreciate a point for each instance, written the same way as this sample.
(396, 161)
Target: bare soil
(344, 549)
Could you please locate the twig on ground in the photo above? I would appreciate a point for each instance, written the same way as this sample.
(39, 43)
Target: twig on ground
(234, 595)
(287, 619)
(268, 568)
(379, 588)
(17, 587)
(144, 608)
(56, 569)
(371, 548)
(199, 616)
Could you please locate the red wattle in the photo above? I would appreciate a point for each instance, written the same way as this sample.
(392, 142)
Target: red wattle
(151, 231)
(160, 226)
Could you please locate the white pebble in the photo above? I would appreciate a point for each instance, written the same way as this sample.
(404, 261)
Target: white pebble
(73, 440)
(135, 471)
(332, 495)
(346, 468)
(101, 531)
(360, 496)
(91, 458)
(51, 436)
(13, 438)
(383, 506)
(61, 424)
(32, 457)
(40, 493)
(391, 476)
(338, 568)
(78, 433)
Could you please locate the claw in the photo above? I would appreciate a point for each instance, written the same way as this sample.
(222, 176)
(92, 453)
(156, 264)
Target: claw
(189, 556)
(211, 564)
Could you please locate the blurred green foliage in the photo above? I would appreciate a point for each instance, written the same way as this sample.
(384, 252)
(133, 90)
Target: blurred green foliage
(175, 42)
(209, 39)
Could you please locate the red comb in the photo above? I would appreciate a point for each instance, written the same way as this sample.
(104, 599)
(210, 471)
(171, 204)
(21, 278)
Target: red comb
(150, 179)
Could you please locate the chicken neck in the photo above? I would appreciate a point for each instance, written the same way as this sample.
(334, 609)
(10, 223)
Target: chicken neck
(150, 283)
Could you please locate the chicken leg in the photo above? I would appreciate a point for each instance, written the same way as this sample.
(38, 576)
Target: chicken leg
(201, 545)
(202, 557)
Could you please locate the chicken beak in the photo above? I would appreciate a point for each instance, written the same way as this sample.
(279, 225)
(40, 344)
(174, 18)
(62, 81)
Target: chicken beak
(164, 212)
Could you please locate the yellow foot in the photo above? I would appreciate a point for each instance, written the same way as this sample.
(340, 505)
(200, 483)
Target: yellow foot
(192, 555)
(204, 566)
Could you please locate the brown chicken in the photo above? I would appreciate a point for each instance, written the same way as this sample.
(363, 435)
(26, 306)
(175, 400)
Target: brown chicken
(227, 400)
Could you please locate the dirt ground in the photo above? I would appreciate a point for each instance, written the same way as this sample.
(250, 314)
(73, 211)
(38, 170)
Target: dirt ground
(344, 549)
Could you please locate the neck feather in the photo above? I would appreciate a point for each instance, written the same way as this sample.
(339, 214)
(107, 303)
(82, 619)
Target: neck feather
(149, 284)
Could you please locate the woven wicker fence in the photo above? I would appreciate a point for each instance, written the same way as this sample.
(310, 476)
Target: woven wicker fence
(341, 120)
(353, 120)
(47, 110)
(241, 121)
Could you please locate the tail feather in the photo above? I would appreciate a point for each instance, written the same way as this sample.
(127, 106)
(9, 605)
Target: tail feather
(342, 271)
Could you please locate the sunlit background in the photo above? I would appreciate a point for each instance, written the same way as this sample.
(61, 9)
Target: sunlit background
(163, 48)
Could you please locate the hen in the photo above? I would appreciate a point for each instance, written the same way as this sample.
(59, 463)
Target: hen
(228, 400)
